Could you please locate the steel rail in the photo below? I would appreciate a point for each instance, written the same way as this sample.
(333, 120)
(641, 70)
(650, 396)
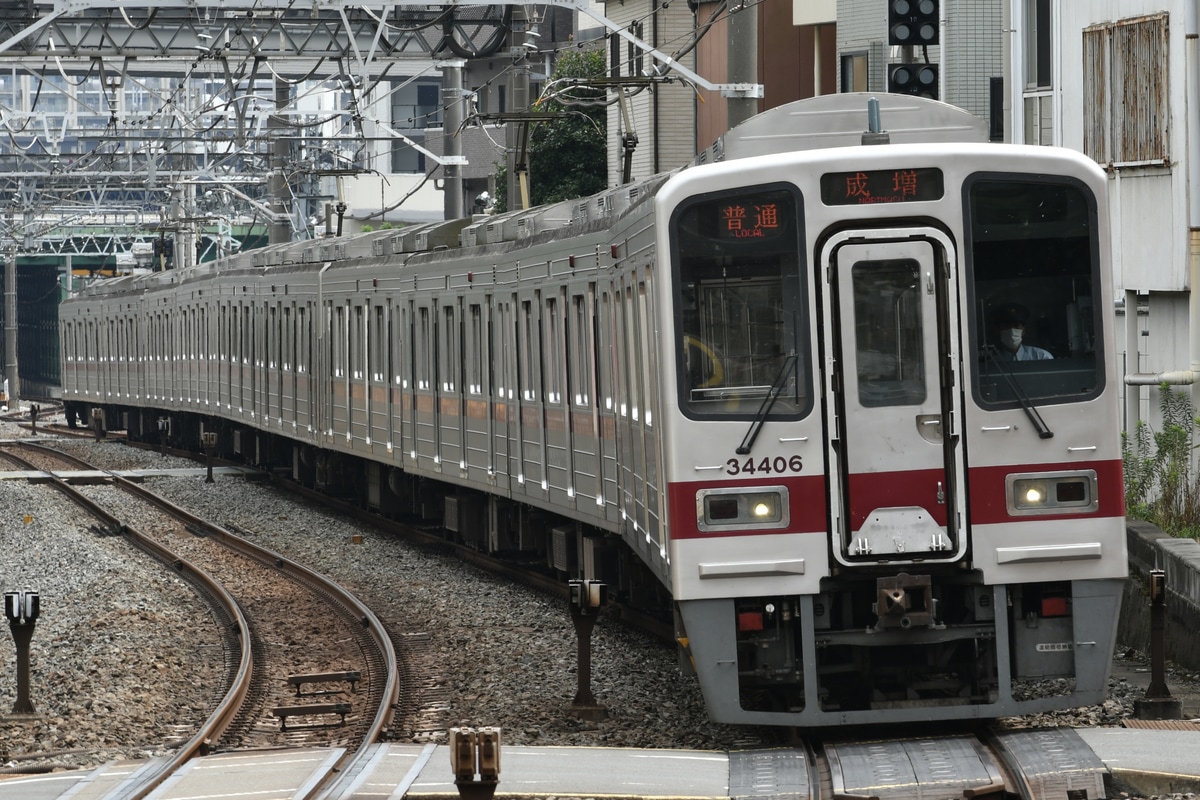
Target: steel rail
(355, 607)
(313, 580)
(229, 705)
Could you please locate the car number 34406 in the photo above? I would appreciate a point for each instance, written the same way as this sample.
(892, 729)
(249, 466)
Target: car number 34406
(763, 466)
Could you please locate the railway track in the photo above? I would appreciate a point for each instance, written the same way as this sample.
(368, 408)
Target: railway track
(1025, 764)
(307, 664)
(1050, 764)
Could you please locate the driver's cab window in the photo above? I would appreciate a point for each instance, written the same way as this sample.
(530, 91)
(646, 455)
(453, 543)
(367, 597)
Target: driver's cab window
(1033, 254)
(740, 339)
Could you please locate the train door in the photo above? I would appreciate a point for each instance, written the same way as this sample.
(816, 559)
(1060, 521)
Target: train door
(424, 381)
(607, 403)
(506, 431)
(242, 375)
(556, 430)
(582, 355)
(203, 346)
(477, 436)
(626, 373)
(379, 405)
(449, 389)
(408, 382)
(891, 318)
(531, 412)
(358, 385)
(390, 359)
(287, 366)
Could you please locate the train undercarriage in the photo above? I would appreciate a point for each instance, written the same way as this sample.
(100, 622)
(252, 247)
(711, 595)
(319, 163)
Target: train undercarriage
(487, 523)
(906, 647)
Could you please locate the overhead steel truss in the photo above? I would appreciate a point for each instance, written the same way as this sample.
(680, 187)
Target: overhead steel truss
(91, 133)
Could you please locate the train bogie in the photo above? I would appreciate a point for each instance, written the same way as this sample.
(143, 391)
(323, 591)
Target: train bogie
(851, 408)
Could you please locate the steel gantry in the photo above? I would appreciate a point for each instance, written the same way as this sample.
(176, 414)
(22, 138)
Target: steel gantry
(120, 108)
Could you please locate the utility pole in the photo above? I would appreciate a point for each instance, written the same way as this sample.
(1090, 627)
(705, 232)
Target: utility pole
(743, 61)
(10, 310)
(452, 117)
(281, 229)
(518, 132)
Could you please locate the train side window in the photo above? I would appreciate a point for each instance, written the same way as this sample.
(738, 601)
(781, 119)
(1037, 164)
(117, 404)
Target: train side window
(289, 338)
(503, 348)
(555, 360)
(634, 357)
(247, 334)
(272, 337)
(739, 297)
(378, 347)
(421, 349)
(474, 346)
(449, 350)
(525, 366)
(336, 341)
(579, 354)
(277, 330)
(607, 353)
(647, 354)
(357, 344)
(399, 321)
(301, 341)
(1033, 264)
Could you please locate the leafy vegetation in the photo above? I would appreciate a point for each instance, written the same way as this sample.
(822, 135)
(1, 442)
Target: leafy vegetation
(1161, 484)
(568, 156)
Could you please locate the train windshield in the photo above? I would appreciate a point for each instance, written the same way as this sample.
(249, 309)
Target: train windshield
(1033, 251)
(739, 306)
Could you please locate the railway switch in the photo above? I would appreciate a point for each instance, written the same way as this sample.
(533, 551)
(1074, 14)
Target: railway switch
(587, 597)
(208, 441)
(488, 740)
(588, 594)
(475, 761)
(22, 610)
(1158, 702)
(462, 754)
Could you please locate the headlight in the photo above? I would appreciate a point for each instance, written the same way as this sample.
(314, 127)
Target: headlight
(1030, 493)
(742, 509)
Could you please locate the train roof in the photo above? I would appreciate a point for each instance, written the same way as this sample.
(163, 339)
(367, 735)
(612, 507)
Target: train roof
(840, 120)
(830, 121)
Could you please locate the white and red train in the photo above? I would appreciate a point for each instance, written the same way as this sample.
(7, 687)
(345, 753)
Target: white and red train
(780, 386)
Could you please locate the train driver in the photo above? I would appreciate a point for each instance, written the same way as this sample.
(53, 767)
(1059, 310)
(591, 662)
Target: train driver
(1009, 321)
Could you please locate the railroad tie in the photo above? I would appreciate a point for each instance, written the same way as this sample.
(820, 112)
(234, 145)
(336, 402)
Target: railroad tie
(315, 709)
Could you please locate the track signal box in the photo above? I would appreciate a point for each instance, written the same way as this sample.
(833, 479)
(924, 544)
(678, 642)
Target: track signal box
(914, 79)
(913, 23)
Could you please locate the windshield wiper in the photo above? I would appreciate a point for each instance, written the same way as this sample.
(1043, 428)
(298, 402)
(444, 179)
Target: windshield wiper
(765, 408)
(1030, 411)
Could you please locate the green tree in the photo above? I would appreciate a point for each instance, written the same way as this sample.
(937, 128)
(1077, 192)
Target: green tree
(568, 156)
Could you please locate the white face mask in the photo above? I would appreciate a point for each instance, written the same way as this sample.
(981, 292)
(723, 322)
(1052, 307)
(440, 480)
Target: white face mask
(1011, 338)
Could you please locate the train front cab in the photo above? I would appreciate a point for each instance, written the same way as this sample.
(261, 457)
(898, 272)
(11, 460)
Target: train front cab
(962, 554)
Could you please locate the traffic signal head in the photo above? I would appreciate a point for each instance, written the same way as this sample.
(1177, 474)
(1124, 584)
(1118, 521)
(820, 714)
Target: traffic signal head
(915, 79)
(913, 22)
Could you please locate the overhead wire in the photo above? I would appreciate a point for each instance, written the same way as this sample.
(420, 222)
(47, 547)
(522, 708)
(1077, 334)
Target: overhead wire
(173, 115)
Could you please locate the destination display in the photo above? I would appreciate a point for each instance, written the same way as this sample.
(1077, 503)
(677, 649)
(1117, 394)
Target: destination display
(750, 217)
(881, 186)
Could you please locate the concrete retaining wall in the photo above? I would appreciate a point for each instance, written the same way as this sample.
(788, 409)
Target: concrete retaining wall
(1150, 548)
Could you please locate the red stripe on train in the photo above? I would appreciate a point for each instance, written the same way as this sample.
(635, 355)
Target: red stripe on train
(987, 503)
(986, 499)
